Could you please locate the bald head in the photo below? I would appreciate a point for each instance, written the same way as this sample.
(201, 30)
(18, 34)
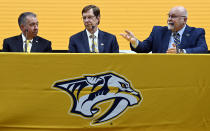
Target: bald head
(177, 18)
(179, 10)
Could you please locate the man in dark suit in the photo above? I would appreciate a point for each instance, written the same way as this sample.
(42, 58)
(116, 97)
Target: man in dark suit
(28, 41)
(178, 37)
(92, 40)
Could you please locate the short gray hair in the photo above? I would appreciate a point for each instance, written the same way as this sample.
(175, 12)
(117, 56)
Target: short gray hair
(22, 17)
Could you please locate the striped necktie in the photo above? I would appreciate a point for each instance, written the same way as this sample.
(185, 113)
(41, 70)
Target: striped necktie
(93, 44)
(26, 48)
(177, 42)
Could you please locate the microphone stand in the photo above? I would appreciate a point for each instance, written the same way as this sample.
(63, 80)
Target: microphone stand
(26, 40)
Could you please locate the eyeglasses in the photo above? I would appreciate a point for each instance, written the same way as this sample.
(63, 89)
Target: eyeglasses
(88, 17)
(174, 16)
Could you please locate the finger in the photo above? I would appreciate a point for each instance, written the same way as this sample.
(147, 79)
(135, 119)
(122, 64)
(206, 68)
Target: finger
(124, 36)
(174, 48)
(128, 32)
(173, 45)
(171, 50)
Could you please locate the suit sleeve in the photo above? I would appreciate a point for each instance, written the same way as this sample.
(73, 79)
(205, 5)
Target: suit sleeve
(146, 45)
(5, 46)
(71, 46)
(49, 48)
(200, 45)
(115, 46)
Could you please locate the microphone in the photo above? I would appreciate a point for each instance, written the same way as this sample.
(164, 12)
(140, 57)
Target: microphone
(93, 27)
(25, 46)
(26, 32)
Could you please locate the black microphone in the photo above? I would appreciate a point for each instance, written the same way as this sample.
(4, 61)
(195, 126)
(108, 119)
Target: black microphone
(25, 46)
(93, 27)
(26, 32)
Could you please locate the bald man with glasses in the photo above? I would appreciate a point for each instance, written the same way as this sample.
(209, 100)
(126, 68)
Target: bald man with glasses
(177, 37)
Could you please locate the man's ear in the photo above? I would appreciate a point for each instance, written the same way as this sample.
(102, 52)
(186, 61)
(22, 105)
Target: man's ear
(22, 27)
(185, 19)
(98, 18)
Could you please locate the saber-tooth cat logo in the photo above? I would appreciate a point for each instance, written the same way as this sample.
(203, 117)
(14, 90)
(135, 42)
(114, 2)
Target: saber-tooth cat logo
(89, 91)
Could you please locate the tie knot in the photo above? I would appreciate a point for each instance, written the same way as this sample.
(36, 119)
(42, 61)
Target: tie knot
(92, 36)
(176, 34)
(28, 41)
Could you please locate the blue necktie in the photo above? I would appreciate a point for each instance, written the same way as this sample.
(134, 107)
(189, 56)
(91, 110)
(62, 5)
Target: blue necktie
(177, 42)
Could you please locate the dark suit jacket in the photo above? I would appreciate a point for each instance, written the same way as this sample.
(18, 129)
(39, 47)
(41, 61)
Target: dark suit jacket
(107, 43)
(15, 44)
(193, 41)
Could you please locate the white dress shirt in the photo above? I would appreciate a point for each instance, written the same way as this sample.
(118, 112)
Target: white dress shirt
(90, 40)
(171, 41)
(24, 42)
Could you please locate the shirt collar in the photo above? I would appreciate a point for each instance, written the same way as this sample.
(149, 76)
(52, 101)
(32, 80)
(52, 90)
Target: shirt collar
(181, 31)
(24, 38)
(95, 34)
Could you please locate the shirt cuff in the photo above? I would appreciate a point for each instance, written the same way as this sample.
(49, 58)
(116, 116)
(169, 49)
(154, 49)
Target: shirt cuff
(136, 44)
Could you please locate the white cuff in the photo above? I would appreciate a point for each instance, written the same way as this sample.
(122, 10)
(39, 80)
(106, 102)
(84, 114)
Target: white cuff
(136, 44)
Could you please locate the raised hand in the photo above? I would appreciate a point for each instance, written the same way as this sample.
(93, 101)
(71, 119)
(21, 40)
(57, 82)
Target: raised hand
(128, 35)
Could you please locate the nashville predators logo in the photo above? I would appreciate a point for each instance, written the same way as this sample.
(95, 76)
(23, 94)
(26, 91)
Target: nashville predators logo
(89, 91)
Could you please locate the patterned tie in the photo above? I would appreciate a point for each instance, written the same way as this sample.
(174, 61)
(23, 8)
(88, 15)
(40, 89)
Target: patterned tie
(26, 48)
(177, 42)
(93, 44)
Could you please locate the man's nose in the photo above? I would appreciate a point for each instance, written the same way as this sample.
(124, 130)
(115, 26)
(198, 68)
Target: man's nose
(36, 27)
(169, 18)
(86, 20)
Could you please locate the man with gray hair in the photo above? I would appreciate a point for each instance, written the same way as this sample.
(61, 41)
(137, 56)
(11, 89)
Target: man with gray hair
(177, 37)
(27, 41)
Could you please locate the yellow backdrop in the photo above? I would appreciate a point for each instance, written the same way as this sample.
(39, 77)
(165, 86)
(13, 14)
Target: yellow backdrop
(60, 19)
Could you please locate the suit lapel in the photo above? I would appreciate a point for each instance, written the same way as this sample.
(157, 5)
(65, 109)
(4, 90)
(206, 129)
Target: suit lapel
(34, 44)
(85, 41)
(100, 41)
(166, 39)
(19, 43)
(185, 36)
